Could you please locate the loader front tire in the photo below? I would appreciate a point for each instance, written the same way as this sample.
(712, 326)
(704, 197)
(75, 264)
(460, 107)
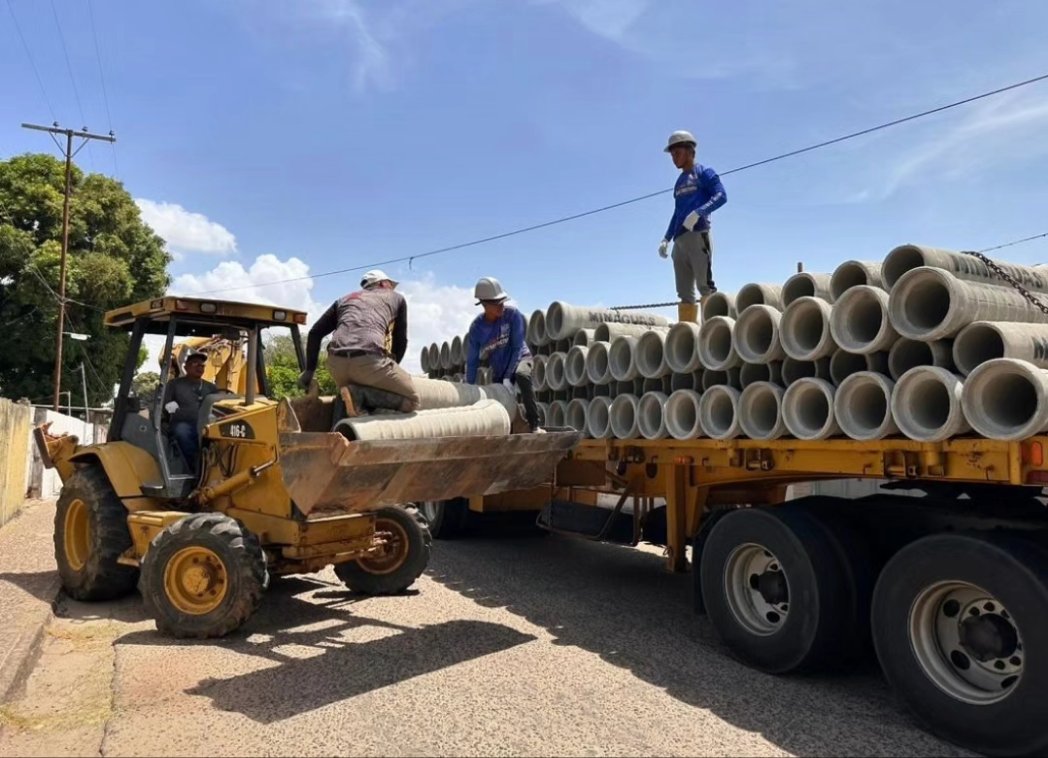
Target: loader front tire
(401, 561)
(90, 534)
(203, 576)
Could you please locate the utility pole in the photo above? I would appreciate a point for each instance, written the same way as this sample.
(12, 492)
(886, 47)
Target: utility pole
(86, 136)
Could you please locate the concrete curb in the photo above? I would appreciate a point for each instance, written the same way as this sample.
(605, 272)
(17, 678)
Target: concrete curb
(29, 590)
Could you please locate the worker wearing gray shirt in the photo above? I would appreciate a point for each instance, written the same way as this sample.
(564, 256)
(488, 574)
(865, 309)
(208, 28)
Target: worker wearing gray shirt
(182, 399)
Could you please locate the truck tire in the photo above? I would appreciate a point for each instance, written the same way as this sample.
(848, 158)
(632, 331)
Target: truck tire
(203, 576)
(90, 534)
(961, 634)
(774, 589)
(447, 519)
(402, 562)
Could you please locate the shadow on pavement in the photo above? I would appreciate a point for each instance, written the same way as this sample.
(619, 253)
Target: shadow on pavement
(39, 584)
(621, 604)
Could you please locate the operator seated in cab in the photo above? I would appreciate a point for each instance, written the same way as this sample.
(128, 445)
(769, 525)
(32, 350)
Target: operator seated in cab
(183, 397)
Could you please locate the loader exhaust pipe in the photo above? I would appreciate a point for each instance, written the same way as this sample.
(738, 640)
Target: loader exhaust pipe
(863, 406)
(926, 404)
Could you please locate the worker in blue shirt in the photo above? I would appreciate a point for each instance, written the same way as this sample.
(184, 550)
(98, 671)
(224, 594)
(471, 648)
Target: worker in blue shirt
(496, 337)
(697, 194)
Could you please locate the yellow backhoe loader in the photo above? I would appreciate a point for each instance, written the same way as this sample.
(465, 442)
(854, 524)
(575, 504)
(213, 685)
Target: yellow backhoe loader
(278, 492)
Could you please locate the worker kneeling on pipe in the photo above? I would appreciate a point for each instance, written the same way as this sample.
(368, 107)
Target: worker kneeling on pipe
(370, 338)
(697, 194)
(497, 337)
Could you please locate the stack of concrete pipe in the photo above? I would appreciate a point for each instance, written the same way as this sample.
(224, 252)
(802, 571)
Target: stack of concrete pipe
(927, 344)
(448, 361)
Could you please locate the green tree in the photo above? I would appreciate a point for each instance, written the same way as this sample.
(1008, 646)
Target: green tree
(145, 385)
(282, 369)
(114, 258)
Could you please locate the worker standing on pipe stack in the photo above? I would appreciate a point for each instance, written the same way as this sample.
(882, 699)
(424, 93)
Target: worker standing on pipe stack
(497, 337)
(697, 194)
(370, 339)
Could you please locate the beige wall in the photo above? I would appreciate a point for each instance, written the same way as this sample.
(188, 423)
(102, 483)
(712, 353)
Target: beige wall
(15, 435)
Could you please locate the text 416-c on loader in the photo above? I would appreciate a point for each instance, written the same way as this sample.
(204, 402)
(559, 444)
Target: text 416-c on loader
(273, 495)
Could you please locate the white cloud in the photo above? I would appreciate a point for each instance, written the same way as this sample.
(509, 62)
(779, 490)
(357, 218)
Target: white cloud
(267, 280)
(186, 231)
(435, 313)
(611, 19)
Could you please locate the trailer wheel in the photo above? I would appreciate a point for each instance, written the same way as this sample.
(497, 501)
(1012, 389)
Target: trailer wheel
(774, 589)
(402, 560)
(90, 534)
(447, 519)
(961, 634)
(203, 576)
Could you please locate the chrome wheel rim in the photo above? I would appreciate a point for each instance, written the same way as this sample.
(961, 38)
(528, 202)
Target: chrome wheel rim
(757, 589)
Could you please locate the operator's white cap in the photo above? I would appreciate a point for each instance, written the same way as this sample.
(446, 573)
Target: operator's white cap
(376, 275)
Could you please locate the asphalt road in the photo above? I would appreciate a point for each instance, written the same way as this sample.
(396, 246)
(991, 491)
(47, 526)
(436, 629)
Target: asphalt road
(510, 645)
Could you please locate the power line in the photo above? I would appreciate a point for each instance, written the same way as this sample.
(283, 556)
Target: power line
(564, 219)
(102, 79)
(32, 64)
(72, 79)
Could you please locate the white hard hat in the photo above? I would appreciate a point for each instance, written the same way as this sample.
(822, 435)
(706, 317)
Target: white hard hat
(376, 275)
(489, 288)
(679, 138)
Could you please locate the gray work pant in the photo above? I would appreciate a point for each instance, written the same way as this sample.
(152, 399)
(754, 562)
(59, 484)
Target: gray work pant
(693, 264)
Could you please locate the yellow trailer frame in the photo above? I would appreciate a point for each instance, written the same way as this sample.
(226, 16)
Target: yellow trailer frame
(694, 475)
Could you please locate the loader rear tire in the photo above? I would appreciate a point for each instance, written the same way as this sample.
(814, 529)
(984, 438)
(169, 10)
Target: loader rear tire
(90, 534)
(401, 563)
(203, 576)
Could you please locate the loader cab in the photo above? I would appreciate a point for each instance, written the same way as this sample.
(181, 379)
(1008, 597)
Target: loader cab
(144, 425)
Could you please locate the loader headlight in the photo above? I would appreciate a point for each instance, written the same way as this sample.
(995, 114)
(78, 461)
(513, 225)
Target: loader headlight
(280, 315)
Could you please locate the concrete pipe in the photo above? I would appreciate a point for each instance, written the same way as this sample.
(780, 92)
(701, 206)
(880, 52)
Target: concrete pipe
(486, 418)
(423, 359)
(624, 417)
(575, 366)
(1006, 399)
(807, 409)
(598, 418)
(457, 358)
(805, 284)
(718, 304)
(698, 375)
(601, 390)
(651, 417)
(584, 337)
(751, 373)
(926, 404)
(682, 381)
(434, 357)
(538, 372)
(758, 294)
(435, 394)
(843, 364)
(860, 323)
(756, 334)
(760, 411)
(719, 412)
(715, 345)
(555, 378)
(445, 356)
(863, 406)
(906, 354)
(729, 378)
(563, 320)
(805, 329)
(794, 370)
(585, 392)
(905, 258)
(877, 362)
(930, 303)
(855, 274)
(575, 414)
(608, 332)
(564, 345)
(557, 413)
(650, 385)
(639, 386)
(543, 409)
(681, 413)
(651, 355)
(681, 347)
(622, 359)
(622, 388)
(983, 341)
(536, 331)
(667, 384)
(598, 368)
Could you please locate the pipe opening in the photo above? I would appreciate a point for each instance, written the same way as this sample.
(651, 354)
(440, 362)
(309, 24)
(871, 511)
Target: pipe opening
(554, 320)
(925, 303)
(597, 368)
(793, 369)
(682, 416)
(758, 334)
(762, 412)
(929, 404)
(620, 357)
(650, 415)
(720, 414)
(716, 304)
(899, 261)
(750, 373)
(576, 415)
(712, 378)
(797, 286)
(598, 420)
(680, 347)
(906, 354)
(717, 342)
(975, 345)
(807, 327)
(624, 417)
(749, 294)
(867, 406)
(649, 354)
(575, 367)
(863, 320)
(682, 382)
(1008, 400)
(846, 276)
(843, 364)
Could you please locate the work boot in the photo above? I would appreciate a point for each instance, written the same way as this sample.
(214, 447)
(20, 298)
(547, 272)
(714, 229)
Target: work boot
(348, 403)
(688, 312)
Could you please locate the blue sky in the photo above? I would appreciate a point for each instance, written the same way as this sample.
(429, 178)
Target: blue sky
(268, 140)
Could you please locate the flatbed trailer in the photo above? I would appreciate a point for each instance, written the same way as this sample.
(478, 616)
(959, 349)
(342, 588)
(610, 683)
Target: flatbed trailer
(950, 589)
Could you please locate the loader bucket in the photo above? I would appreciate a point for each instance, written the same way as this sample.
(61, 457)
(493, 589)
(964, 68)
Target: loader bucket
(324, 471)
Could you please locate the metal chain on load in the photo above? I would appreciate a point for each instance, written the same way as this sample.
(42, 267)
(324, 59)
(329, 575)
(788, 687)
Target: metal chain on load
(641, 307)
(1000, 273)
